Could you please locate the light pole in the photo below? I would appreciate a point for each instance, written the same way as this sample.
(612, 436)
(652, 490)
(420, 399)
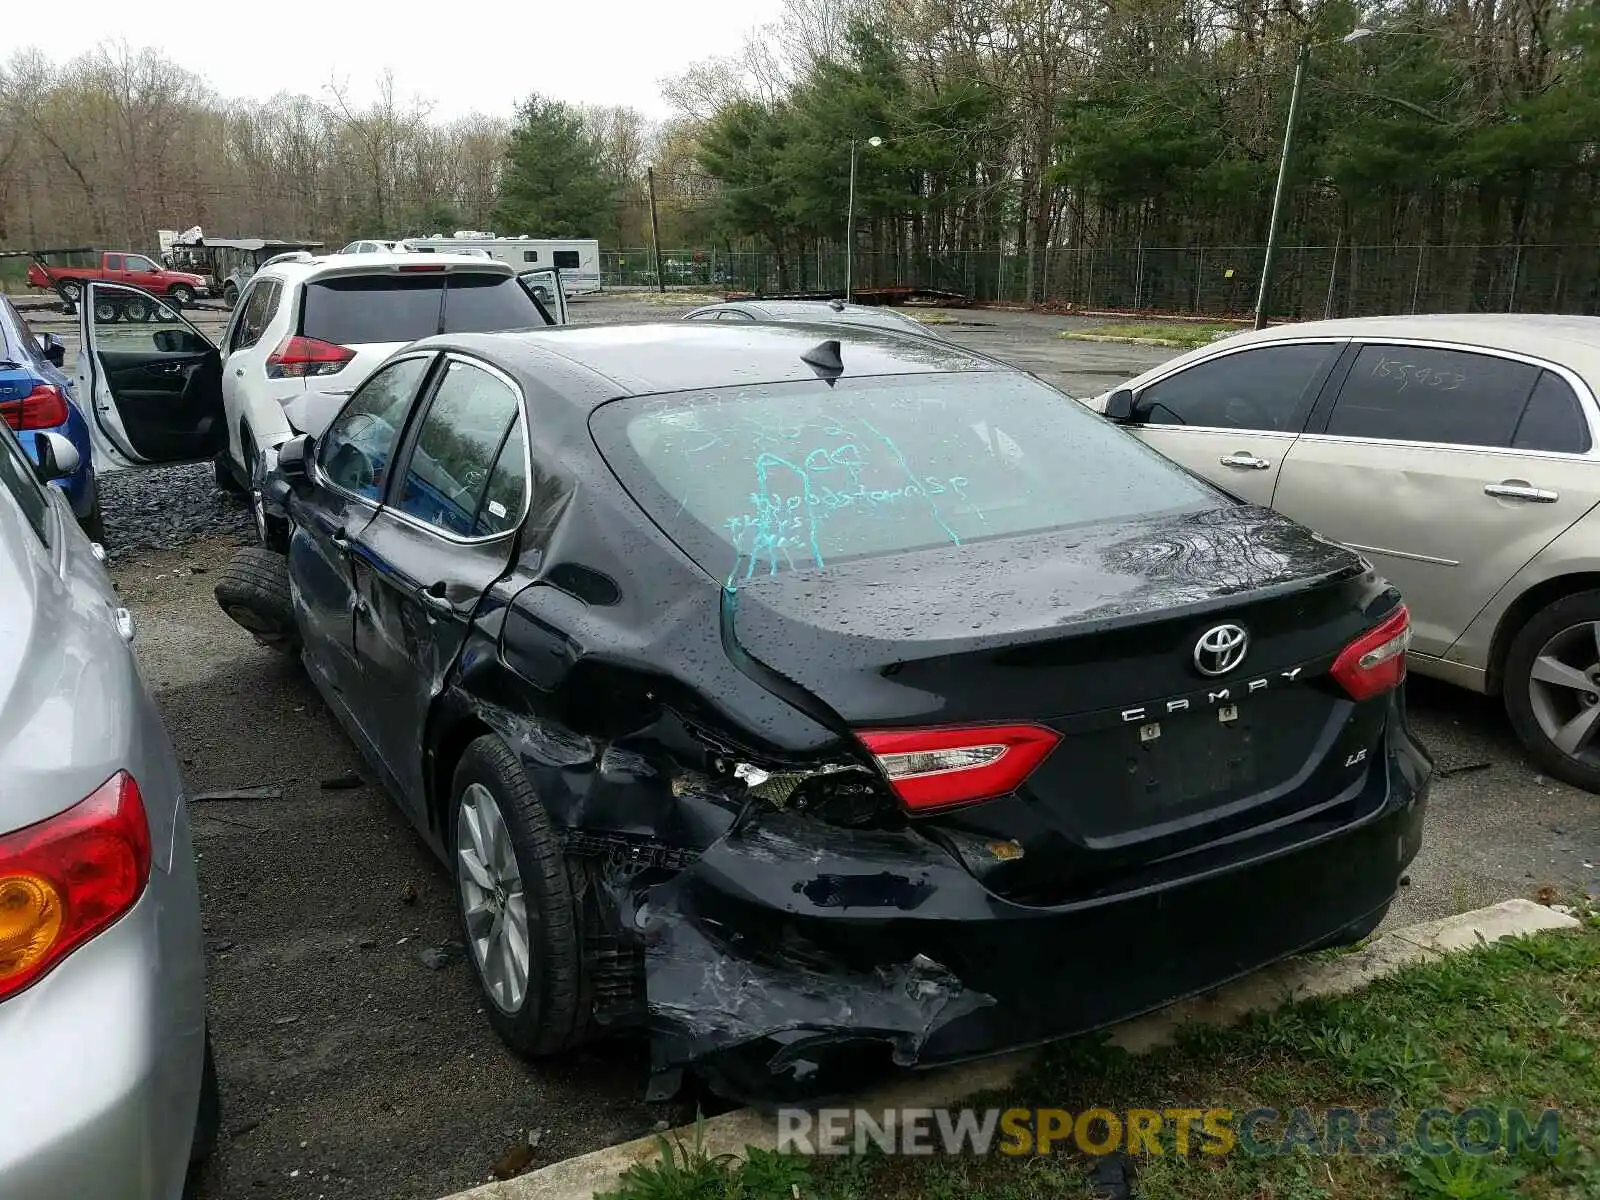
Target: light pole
(1301, 58)
(850, 219)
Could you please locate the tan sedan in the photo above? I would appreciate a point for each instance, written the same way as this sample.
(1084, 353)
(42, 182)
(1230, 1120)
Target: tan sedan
(1459, 454)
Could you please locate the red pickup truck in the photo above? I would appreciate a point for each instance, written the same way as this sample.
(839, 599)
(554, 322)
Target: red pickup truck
(182, 287)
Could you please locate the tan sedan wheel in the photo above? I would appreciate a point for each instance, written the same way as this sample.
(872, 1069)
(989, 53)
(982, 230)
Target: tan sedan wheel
(1552, 688)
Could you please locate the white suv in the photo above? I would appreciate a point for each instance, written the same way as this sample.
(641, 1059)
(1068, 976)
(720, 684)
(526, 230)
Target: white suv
(162, 393)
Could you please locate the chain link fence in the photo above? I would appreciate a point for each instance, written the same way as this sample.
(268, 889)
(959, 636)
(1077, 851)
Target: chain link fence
(1309, 282)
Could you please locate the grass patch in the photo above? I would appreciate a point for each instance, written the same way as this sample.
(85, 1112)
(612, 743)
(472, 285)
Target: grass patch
(1180, 334)
(1510, 1026)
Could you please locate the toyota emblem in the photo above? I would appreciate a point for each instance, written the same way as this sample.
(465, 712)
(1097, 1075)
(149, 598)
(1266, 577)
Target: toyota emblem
(1220, 649)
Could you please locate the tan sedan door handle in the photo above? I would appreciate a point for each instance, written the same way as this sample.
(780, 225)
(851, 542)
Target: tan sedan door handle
(1520, 489)
(1245, 461)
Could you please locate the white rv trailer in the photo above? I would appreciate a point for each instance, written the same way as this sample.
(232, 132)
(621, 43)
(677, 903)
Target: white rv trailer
(577, 258)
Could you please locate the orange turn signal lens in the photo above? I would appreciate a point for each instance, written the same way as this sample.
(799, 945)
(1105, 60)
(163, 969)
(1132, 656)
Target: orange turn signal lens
(30, 921)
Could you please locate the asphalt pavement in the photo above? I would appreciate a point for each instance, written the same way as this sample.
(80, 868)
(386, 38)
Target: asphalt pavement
(354, 1059)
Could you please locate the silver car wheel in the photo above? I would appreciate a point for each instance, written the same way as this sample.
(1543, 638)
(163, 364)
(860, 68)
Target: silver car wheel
(492, 900)
(1564, 691)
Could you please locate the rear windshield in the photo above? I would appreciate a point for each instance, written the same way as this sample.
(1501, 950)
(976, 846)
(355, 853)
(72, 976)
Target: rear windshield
(355, 310)
(777, 477)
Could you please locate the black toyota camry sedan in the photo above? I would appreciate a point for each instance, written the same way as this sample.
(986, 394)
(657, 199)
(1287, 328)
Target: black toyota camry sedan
(814, 698)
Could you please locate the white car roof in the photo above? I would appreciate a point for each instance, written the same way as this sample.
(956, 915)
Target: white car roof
(1570, 341)
(381, 263)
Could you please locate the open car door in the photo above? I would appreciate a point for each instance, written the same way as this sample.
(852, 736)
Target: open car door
(153, 381)
(545, 286)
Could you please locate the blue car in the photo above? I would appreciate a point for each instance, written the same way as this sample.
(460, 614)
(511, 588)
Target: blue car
(36, 394)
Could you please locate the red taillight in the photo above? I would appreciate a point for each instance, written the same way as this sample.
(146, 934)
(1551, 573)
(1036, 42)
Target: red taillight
(938, 768)
(43, 408)
(1376, 661)
(418, 268)
(297, 357)
(66, 878)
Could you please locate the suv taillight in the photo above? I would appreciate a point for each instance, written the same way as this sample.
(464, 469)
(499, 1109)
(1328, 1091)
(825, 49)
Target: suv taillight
(297, 357)
(939, 768)
(68, 877)
(1376, 661)
(43, 408)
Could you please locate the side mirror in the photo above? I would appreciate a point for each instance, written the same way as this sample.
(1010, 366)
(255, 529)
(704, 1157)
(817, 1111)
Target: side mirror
(50, 346)
(1120, 407)
(54, 457)
(294, 457)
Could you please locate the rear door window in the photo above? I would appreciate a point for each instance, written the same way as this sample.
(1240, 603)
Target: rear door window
(17, 477)
(768, 478)
(457, 449)
(255, 314)
(1433, 394)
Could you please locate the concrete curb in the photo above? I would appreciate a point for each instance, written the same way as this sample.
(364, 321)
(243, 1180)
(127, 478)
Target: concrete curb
(1296, 979)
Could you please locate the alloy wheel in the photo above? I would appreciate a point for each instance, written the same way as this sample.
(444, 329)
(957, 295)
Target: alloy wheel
(105, 312)
(1564, 691)
(258, 503)
(492, 899)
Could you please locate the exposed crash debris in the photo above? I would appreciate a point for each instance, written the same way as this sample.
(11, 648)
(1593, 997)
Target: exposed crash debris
(780, 1007)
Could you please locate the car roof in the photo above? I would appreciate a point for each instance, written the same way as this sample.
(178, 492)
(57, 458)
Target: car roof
(594, 363)
(1571, 341)
(324, 265)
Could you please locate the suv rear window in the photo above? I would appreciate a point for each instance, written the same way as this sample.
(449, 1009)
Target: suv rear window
(798, 475)
(356, 310)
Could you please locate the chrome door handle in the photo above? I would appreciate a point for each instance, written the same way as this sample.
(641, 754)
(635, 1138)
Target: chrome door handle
(1245, 461)
(1518, 489)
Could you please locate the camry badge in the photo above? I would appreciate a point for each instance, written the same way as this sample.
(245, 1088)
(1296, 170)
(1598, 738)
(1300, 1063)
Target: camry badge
(1220, 649)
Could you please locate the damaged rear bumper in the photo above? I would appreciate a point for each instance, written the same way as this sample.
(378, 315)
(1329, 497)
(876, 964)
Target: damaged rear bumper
(793, 955)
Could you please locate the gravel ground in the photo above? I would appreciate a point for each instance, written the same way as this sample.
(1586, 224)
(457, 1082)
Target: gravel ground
(352, 1069)
(166, 508)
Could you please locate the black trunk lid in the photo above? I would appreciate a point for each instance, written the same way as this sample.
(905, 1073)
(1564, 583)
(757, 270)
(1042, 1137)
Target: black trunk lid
(1092, 633)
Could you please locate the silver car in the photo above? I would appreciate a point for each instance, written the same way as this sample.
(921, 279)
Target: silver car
(110, 1090)
(1460, 454)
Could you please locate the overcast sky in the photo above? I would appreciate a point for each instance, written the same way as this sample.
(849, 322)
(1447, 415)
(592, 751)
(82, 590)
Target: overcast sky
(483, 55)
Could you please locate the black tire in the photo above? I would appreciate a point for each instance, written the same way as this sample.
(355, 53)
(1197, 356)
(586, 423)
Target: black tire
(181, 296)
(1580, 608)
(208, 1120)
(230, 295)
(254, 591)
(94, 523)
(226, 479)
(107, 312)
(71, 291)
(557, 1009)
(137, 309)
